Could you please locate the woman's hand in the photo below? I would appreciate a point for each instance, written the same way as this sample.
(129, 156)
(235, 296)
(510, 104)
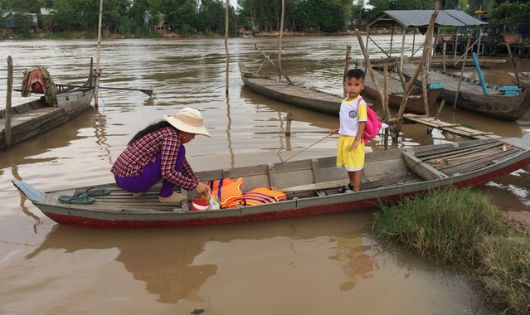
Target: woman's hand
(202, 188)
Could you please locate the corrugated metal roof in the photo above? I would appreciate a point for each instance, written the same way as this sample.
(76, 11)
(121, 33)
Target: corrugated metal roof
(422, 17)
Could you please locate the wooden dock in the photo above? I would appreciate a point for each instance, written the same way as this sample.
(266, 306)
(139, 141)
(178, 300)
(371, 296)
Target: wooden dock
(456, 129)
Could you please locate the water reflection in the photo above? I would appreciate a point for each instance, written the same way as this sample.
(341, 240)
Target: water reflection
(356, 256)
(169, 261)
(28, 152)
(164, 261)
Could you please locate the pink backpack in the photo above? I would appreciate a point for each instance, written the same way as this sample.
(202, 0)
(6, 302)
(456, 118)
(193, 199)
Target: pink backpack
(372, 123)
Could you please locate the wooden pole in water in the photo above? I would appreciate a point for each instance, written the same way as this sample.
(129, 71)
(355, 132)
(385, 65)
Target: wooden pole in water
(226, 48)
(96, 90)
(461, 73)
(346, 63)
(281, 39)
(513, 64)
(410, 84)
(444, 49)
(373, 75)
(7, 130)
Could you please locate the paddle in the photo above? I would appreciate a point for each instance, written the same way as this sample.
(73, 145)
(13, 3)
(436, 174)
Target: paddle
(145, 91)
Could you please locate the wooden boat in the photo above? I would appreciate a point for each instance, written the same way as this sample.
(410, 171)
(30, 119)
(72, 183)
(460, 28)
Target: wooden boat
(286, 92)
(524, 79)
(471, 96)
(395, 90)
(35, 117)
(311, 186)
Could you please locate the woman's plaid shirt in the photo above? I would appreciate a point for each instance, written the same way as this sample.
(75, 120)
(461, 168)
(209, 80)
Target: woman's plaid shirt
(166, 141)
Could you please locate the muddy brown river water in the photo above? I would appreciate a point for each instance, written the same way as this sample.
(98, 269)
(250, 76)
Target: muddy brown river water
(327, 264)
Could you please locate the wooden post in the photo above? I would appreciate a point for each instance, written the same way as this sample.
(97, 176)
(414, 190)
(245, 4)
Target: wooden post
(424, 89)
(385, 86)
(98, 49)
(281, 38)
(513, 64)
(444, 49)
(7, 131)
(402, 56)
(391, 41)
(226, 48)
(347, 59)
(461, 73)
(413, 43)
(347, 63)
(373, 75)
(410, 84)
(440, 109)
(289, 119)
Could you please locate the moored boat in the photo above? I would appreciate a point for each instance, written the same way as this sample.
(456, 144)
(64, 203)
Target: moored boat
(471, 97)
(286, 92)
(35, 117)
(415, 102)
(311, 186)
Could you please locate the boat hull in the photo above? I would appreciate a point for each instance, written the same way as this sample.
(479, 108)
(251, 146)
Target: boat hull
(414, 103)
(286, 92)
(390, 176)
(471, 96)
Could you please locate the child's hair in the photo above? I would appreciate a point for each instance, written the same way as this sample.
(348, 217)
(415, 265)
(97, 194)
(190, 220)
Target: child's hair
(354, 73)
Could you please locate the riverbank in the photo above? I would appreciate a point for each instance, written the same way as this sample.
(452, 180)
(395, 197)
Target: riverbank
(465, 230)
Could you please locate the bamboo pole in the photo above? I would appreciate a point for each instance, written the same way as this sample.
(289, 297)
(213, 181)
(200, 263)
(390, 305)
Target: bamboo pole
(98, 52)
(424, 88)
(7, 130)
(461, 73)
(402, 53)
(385, 85)
(371, 71)
(444, 49)
(347, 63)
(513, 64)
(226, 48)
(410, 84)
(281, 39)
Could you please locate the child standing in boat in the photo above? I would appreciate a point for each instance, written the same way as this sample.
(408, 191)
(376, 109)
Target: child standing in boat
(352, 116)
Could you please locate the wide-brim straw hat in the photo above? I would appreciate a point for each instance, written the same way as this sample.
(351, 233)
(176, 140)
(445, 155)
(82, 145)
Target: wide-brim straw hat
(188, 120)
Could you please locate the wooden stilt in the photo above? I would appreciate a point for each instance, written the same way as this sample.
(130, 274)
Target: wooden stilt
(461, 73)
(288, 125)
(7, 130)
(227, 78)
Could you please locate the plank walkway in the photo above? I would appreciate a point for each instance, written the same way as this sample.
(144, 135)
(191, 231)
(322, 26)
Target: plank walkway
(456, 129)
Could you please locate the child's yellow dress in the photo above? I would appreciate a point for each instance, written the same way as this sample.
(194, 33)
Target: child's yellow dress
(351, 112)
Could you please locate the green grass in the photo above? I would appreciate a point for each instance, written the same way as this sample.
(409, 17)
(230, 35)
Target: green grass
(464, 229)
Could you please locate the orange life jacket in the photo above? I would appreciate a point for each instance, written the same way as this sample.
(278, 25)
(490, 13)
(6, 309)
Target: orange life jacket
(260, 196)
(227, 191)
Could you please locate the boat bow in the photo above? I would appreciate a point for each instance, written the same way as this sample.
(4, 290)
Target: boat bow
(29, 191)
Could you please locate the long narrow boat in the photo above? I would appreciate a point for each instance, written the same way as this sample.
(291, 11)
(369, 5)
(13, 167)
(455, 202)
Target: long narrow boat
(329, 103)
(35, 117)
(286, 92)
(415, 103)
(471, 96)
(311, 186)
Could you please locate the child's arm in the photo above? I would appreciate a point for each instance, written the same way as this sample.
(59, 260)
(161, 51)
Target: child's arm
(333, 132)
(359, 136)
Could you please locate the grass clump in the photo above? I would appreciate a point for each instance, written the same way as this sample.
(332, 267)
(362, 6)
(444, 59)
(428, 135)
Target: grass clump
(464, 229)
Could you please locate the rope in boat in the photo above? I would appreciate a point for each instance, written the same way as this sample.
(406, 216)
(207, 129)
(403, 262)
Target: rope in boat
(292, 156)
